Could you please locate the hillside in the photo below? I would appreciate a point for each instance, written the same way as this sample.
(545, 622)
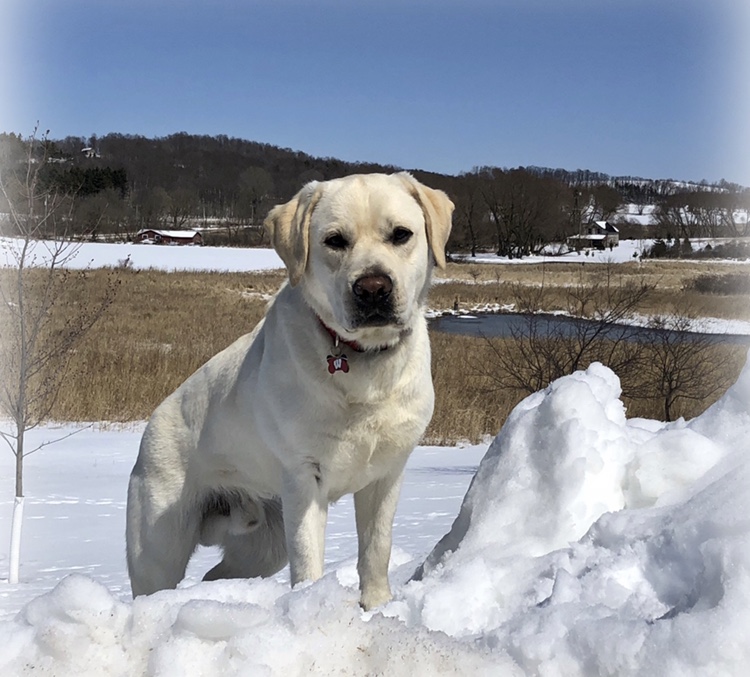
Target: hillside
(123, 183)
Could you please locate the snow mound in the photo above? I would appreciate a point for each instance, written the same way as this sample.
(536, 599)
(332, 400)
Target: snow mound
(587, 544)
(223, 628)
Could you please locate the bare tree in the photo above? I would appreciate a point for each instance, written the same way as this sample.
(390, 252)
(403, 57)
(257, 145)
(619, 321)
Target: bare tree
(153, 206)
(547, 347)
(667, 362)
(255, 185)
(603, 202)
(37, 333)
(682, 365)
(673, 217)
(491, 182)
(702, 213)
(182, 204)
(524, 208)
(469, 213)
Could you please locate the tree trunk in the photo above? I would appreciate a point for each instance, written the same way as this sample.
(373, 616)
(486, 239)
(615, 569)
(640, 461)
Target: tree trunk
(14, 556)
(15, 541)
(19, 459)
(668, 402)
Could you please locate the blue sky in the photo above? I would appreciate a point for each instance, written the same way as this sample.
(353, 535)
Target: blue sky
(656, 88)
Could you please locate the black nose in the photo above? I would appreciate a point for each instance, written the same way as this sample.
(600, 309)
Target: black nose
(372, 290)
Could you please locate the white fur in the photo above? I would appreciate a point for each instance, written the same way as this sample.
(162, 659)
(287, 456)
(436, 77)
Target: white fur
(251, 449)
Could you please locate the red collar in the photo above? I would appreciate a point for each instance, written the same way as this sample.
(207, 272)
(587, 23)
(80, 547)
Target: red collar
(338, 340)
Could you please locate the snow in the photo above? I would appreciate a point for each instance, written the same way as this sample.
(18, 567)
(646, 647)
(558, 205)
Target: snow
(648, 215)
(624, 252)
(586, 544)
(235, 259)
(717, 325)
(633, 208)
(158, 257)
(642, 215)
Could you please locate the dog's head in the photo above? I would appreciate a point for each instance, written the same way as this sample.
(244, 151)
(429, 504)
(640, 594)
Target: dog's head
(362, 249)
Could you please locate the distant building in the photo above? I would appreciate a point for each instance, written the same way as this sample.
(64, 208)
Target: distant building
(174, 237)
(596, 235)
(90, 152)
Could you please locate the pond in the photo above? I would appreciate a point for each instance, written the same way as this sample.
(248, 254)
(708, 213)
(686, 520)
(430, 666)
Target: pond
(508, 325)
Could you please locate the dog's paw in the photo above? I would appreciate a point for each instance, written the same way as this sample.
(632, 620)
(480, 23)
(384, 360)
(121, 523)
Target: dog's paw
(375, 597)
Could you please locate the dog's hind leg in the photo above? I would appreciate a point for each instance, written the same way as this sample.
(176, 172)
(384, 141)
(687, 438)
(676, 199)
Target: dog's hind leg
(258, 552)
(162, 533)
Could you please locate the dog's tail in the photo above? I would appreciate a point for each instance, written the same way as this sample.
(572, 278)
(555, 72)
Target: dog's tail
(229, 513)
(250, 531)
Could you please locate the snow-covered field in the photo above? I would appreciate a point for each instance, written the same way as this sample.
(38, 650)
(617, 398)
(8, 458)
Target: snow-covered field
(626, 251)
(140, 256)
(587, 544)
(100, 254)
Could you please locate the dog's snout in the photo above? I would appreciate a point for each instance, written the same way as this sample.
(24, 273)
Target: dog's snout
(373, 289)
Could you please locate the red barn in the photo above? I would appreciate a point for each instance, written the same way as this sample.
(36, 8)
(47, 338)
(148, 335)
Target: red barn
(153, 236)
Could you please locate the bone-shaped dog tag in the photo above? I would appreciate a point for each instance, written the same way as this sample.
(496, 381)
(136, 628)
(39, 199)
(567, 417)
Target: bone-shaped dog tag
(337, 363)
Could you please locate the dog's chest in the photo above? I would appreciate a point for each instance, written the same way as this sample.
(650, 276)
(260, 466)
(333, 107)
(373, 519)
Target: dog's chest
(369, 442)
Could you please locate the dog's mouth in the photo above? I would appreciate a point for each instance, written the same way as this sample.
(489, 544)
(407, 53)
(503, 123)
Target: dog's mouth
(375, 318)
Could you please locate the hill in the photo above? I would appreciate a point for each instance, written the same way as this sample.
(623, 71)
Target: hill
(124, 183)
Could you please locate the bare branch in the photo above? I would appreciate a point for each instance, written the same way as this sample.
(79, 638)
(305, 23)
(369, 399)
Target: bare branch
(48, 443)
(8, 440)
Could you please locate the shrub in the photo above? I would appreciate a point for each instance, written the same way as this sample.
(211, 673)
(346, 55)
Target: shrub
(736, 249)
(728, 284)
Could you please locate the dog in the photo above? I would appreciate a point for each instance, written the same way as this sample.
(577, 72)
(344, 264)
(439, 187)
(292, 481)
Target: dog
(327, 396)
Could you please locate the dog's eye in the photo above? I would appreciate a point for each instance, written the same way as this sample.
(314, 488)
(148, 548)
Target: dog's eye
(400, 235)
(336, 241)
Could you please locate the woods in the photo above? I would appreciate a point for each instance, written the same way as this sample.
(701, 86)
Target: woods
(123, 183)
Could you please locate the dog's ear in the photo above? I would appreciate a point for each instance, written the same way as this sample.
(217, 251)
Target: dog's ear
(437, 209)
(288, 226)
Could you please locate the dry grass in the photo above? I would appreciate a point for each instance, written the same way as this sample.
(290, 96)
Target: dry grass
(160, 329)
(480, 284)
(163, 326)
(465, 407)
(470, 403)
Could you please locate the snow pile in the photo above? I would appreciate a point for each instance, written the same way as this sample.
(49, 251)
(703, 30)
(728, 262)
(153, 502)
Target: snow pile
(227, 628)
(587, 544)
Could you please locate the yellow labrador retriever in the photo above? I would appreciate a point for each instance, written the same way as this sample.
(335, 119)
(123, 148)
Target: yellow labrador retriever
(327, 396)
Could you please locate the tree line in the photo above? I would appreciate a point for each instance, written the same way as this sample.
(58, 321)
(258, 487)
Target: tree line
(123, 183)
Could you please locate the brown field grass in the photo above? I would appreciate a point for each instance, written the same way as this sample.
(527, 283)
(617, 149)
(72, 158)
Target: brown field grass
(162, 326)
(471, 404)
(481, 284)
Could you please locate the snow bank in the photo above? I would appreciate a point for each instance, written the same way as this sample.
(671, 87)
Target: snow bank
(587, 544)
(227, 628)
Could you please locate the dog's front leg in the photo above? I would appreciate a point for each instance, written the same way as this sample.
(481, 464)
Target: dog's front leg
(375, 506)
(305, 508)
